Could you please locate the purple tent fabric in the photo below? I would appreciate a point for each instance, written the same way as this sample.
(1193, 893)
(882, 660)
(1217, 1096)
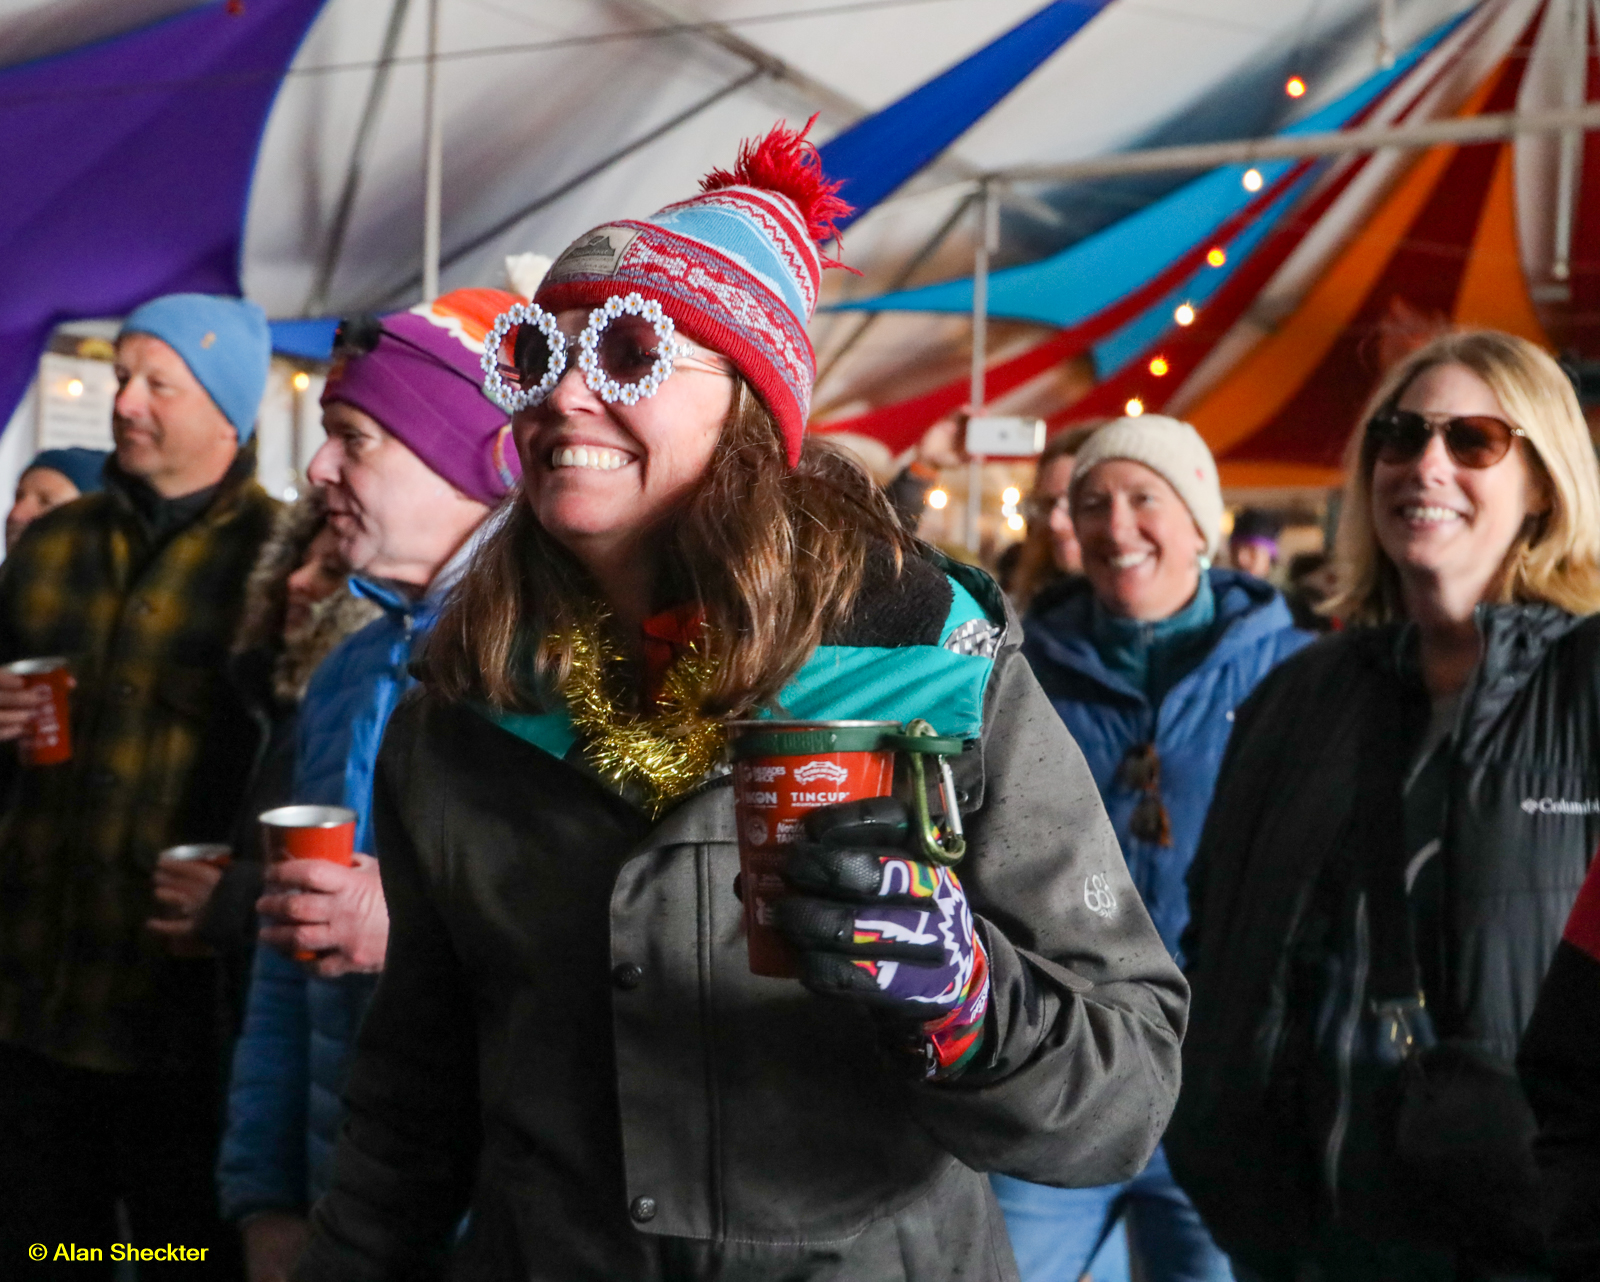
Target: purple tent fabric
(128, 168)
(876, 155)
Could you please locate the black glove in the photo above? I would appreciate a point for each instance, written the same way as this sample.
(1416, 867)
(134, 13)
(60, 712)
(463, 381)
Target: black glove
(875, 923)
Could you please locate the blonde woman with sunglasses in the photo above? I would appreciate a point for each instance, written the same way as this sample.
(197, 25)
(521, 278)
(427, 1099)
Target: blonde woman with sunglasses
(1401, 825)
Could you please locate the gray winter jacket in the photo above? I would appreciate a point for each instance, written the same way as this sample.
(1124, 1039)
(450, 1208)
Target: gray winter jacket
(567, 1040)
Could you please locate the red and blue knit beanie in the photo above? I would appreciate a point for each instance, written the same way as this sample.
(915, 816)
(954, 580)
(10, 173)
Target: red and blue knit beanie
(736, 267)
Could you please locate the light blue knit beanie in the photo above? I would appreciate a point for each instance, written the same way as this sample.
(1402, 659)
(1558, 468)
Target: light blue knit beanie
(224, 341)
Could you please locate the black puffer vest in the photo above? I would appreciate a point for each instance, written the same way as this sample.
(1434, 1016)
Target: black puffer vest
(1291, 1090)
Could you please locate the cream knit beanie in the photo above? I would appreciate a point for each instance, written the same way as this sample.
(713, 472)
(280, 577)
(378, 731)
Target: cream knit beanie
(1175, 452)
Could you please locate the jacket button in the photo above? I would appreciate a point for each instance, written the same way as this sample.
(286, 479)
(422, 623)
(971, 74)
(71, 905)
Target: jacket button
(627, 977)
(643, 1209)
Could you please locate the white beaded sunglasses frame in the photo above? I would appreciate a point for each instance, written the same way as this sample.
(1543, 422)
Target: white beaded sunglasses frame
(511, 398)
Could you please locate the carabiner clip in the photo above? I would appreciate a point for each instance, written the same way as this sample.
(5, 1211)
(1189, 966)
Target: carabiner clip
(945, 846)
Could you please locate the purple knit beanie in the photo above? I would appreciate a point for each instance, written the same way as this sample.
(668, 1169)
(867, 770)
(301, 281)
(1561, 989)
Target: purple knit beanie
(423, 381)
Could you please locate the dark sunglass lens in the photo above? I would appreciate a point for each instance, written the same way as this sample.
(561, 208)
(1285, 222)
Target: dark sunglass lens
(629, 349)
(529, 355)
(1400, 435)
(1477, 441)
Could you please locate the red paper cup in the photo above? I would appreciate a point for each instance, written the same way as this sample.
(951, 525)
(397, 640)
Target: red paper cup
(309, 832)
(782, 770)
(49, 740)
(208, 852)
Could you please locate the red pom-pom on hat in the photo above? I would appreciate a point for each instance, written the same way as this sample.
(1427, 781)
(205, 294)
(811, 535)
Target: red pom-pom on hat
(784, 162)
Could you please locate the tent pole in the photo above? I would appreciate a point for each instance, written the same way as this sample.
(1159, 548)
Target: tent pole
(317, 300)
(433, 174)
(1386, 45)
(987, 227)
(1454, 131)
(1571, 140)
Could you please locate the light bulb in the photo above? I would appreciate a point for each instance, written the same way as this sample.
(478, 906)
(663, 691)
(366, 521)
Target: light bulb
(1015, 521)
(1184, 314)
(301, 380)
(1252, 180)
(1012, 496)
(1133, 408)
(1217, 256)
(75, 387)
(1158, 365)
(1296, 88)
(937, 499)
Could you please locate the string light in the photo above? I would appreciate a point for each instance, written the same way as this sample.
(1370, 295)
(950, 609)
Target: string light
(937, 499)
(1012, 496)
(75, 387)
(1159, 366)
(1015, 522)
(1133, 408)
(301, 380)
(1184, 315)
(1296, 88)
(1217, 256)
(1252, 180)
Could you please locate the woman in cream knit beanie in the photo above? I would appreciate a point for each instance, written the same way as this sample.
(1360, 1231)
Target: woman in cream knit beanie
(1144, 660)
(1171, 449)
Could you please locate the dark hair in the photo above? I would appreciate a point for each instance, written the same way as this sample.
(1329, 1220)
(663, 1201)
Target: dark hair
(1035, 565)
(1253, 523)
(773, 555)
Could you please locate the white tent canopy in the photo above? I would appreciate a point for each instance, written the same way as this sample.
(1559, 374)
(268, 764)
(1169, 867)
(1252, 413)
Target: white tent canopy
(536, 92)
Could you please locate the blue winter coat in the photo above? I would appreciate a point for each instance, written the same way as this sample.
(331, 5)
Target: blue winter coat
(1190, 727)
(290, 1064)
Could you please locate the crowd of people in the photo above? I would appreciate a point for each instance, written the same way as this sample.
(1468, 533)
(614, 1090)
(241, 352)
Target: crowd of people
(1270, 957)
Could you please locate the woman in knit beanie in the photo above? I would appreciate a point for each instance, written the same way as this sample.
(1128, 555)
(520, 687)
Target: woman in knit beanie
(1144, 659)
(569, 1042)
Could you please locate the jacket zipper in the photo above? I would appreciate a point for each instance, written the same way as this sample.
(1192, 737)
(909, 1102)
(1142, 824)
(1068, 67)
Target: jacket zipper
(1344, 1053)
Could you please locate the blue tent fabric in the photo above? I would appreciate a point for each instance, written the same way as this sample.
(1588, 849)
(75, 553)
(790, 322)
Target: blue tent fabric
(1128, 343)
(1086, 278)
(307, 340)
(128, 166)
(876, 155)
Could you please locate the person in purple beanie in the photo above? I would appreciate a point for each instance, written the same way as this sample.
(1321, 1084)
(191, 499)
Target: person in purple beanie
(416, 458)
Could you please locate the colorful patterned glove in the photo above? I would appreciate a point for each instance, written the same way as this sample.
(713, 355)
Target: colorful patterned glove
(876, 924)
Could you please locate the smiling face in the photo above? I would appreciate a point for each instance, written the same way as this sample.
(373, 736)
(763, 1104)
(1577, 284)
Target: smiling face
(1141, 548)
(602, 478)
(395, 517)
(168, 430)
(1447, 528)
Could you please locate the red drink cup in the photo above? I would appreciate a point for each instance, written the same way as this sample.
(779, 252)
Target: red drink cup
(782, 770)
(206, 852)
(49, 739)
(309, 832)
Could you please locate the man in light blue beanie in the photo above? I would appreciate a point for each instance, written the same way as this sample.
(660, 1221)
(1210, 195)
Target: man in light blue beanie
(224, 342)
(110, 1043)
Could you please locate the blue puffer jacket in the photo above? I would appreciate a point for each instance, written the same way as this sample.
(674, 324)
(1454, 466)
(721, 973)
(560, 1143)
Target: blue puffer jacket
(290, 1064)
(1190, 728)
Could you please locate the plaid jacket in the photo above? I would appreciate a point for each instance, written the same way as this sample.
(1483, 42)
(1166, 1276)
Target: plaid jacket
(162, 748)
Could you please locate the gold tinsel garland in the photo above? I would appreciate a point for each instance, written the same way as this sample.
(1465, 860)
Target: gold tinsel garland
(667, 752)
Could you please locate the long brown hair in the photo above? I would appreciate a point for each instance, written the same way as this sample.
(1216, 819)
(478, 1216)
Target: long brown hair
(774, 556)
(1556, 556)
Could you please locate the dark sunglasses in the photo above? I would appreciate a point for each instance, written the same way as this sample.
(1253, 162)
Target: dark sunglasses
(627, 350)
(1140, 771)
(1473, 440)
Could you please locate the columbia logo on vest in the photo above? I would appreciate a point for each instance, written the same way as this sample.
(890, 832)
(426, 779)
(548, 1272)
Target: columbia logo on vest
(1559, 806)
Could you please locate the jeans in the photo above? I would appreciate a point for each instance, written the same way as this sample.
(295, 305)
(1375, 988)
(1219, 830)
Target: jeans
(1054, 1232)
